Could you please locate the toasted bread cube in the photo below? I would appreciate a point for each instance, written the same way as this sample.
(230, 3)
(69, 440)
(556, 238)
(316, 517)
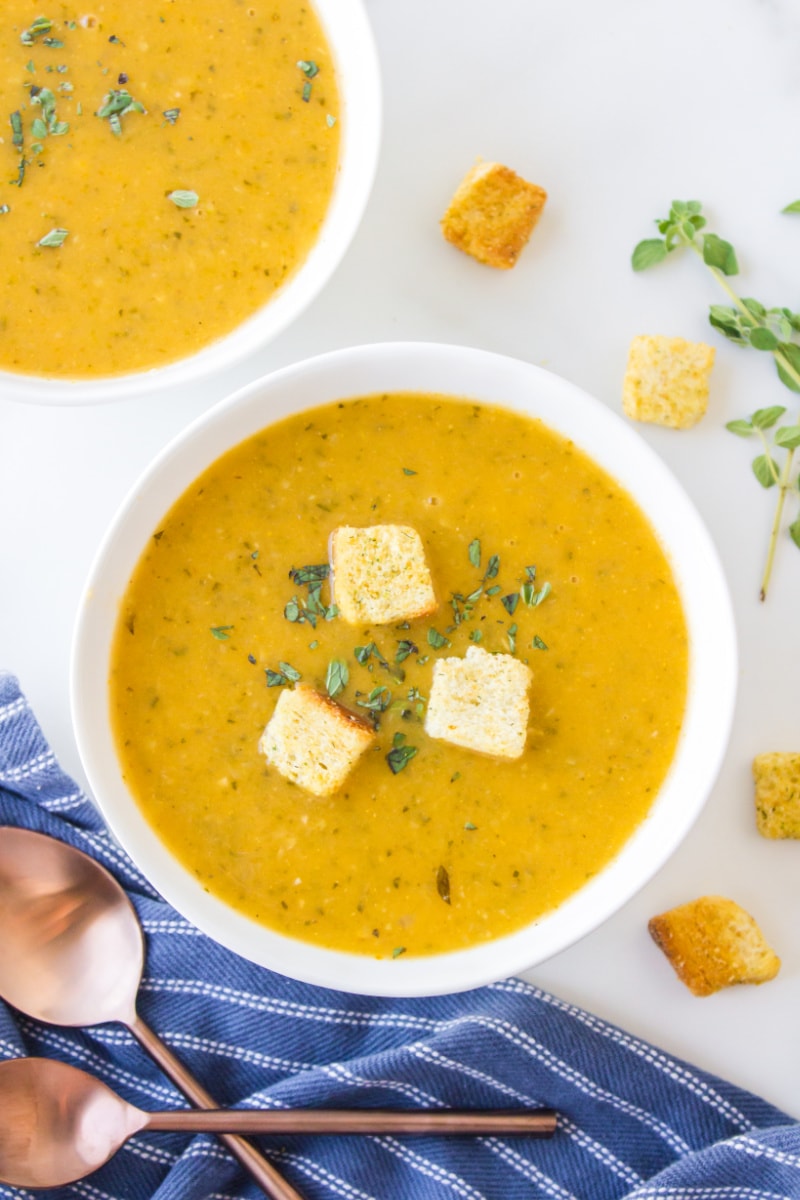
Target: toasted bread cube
(492, 214)
(379, 574)
(777, 780)
(667, 381)
(713, 943)
(480, 702)
(313, 741)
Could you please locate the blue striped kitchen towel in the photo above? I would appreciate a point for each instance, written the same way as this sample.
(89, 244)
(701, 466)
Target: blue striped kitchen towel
(634, 1122)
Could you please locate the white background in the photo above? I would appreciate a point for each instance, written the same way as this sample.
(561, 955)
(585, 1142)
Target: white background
(615, 109)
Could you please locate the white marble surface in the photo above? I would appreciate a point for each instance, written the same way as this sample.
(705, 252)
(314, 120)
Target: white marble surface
(615, 109)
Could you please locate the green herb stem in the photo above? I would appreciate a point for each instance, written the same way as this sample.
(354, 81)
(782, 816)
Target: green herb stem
(738, 303)
(783, 489)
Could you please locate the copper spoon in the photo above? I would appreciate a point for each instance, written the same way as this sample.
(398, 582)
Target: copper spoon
(72, 953)
(60, 1124)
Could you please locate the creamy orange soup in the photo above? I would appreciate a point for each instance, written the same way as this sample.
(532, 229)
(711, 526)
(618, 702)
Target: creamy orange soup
(166, 167)
(454, 849)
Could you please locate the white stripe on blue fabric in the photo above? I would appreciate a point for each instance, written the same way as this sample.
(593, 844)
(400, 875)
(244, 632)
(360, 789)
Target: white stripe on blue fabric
(426, 1167)
(321, 1174)
(518, 1163)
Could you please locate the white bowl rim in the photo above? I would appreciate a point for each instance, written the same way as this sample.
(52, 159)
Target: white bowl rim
(349, 33)
(487, 378)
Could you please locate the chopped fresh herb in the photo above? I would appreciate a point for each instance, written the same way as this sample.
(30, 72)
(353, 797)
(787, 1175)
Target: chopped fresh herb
(292, 611)
(512, 638)
(436, 639)
(337, 677)
(117, 104)
(377, 701)
(313, 645)
(275, 678)
(116, 41)
(404, 648)
(408, 471)
(290, 672)
(456, 775)
(398, 739)
(53, 43)
(171, 115)
(220, 632)
(251, 658)
(330, 121)
(493, 566)
(542, 594)
(308, 575)
(56, 237)
(475, 635)
(538, 644)
(364, 653)
(399, 757)
(309, 68)
(306, 92)
(398, 950)
(36, 29)
(30, 66)
(182, 198)
(510, 602)
(474, 552)
(527, 592)
(16, 130)
(493, 590)
(443, 884)
(468, 825)
(48, 123)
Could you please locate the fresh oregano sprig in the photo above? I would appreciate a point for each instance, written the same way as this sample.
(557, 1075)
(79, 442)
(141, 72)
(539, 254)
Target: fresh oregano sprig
(746, 322)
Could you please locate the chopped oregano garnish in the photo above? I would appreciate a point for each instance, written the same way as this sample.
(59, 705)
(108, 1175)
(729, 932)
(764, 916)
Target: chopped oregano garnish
(456, 775)
(48, 123)
(399, 757)
(538, 644)
(337, 677)
(275, 678)
(404, 648)
(56, 237)
(468, 825)
(309, 68)
(408, 471)
(377, 701)
(251, 658)
(220, 632)
(171, 115)
(117, 104)
(37, 28)
(474, 552)
(303, 576)
(398, 950)
(475, 635)
(510, 602)
(492, 567)
(182, 198)
(290, 672)
(436, 639)
(512, 638)
(443, 884)
(330, 121)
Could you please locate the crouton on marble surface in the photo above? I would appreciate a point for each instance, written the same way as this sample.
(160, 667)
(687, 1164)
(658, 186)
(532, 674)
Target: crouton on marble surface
(667, 381)
(492, 214)
(777, 783)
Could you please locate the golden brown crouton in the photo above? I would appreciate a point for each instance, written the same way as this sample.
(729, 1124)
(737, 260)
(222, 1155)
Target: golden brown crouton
(667, 380)
(379, 574)
(480, 702)
(777, 779)
(492, 214)
(313, 741)
(713, 943)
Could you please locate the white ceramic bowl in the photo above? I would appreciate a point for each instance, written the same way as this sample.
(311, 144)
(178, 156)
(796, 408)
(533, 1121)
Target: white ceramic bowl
(350, 37)
(457, 371)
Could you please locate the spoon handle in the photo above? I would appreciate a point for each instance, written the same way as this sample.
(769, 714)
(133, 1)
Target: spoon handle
(532, 1122)
(268, 1179)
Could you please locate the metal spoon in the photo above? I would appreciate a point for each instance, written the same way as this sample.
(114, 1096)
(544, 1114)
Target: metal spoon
(60, 1124)
(72, 953)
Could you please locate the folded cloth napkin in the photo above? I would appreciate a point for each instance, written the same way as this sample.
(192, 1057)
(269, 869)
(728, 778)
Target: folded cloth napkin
(634, 1122)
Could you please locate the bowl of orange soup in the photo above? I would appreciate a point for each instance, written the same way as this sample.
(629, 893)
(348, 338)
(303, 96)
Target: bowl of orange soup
(558, 545)
(179, 182)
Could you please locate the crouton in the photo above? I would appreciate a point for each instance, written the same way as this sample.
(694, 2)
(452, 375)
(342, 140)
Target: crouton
(777, 780)
(480, 702)
(492, 214)
(379, 574)
(313, 741)
(667, 380)
(712, 943)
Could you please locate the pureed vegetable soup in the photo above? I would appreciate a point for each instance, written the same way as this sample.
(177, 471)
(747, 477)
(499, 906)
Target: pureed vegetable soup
(167, 166)
(534, 551)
